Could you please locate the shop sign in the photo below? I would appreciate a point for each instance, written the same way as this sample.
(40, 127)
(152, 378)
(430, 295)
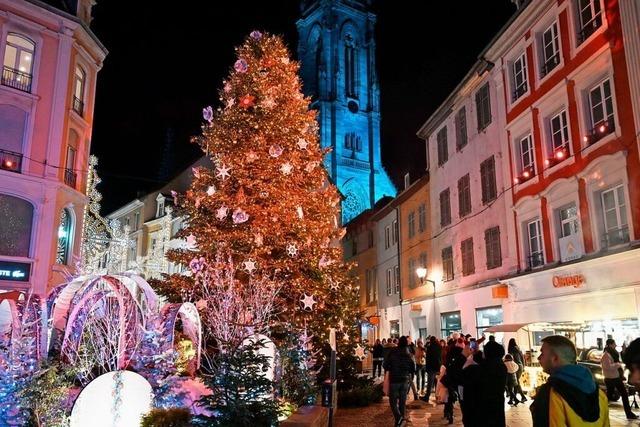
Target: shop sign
(416, 307)
(15, 271)
(575, 280)
(500, 291)
(570, 247)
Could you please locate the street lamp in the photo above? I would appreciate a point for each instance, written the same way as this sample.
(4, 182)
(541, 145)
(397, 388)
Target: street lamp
(422, 275)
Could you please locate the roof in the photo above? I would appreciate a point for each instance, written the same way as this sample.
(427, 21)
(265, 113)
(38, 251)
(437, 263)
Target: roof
(400, 198)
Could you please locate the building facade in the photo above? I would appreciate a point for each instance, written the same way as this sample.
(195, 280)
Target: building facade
(337, 64)
(50, 63)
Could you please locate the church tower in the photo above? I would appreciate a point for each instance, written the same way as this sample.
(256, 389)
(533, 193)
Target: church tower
(337, 64)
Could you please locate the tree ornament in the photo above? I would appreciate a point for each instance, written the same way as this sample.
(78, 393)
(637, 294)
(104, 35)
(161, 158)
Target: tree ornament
(222, 172)
(249, 266)
(360, 354)
(275, 151)
(286, 168)
(247, 101)
(341, 324)
(258, 240)
(174, 194)
(302, 143)
(292, 249)
(300, 213)
(227, 87)
(230, 102)
(256, 35)
(241, 66)
(211, 190)
(191, 241)
(333, 285)
(308, 302)
(310, 167)
(239, 216)
(222, 212)
(207, 114)
(251, 157)
(268, 102)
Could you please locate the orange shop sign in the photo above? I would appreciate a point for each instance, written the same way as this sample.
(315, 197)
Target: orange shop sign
(575, 280)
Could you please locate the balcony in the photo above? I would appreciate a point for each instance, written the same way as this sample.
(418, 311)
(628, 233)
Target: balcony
(550, 64)
(600, 130)
(70, 178)
(615, 237)
(78, 105)
(10, 161)
(590, 28)
(16, 79)
(535, 260)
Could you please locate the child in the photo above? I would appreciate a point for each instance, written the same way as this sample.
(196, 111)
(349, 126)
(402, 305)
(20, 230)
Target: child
(512, 380)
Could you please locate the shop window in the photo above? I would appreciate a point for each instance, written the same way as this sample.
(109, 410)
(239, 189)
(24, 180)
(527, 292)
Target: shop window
(450, 323)
(486, 317)
(16, 222)
(614, 216)
(65, 237)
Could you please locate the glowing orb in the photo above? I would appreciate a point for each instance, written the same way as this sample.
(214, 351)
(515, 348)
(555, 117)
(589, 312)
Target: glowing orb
(118, 398)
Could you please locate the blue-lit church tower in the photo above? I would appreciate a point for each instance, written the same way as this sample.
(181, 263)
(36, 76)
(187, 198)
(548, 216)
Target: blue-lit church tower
(337, 64)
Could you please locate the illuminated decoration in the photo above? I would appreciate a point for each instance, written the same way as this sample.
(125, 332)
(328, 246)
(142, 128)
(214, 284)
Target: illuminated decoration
(308, 302)
(526, 175)
(360, 353)
(222, 172)
(64, 237)
(349, 99)
(15, 271)
(190, 321)
(207, 114)
(117, 398)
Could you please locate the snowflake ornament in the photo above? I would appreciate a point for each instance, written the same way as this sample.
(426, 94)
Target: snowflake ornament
(226, 87)
(222, 172)
(211, 190)
(239, 216)
(333, 285)
(222, 212)
(207, 114)
(308, 302)
(241, 66)
(230, 102)
(286, 168)
(249, 266)
(275, 151)
(292, 249)
(360, 352)
(302, 143)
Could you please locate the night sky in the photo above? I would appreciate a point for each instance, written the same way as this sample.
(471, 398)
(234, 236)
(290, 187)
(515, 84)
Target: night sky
(167, 60)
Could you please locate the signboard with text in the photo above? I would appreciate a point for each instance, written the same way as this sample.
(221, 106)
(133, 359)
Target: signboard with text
(15, 271)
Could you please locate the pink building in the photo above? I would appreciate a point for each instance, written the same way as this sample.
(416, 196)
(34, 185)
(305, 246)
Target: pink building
(50, 62)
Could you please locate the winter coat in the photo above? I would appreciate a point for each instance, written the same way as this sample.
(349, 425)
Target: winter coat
(570, 398)
(610, 368)
(434, 357)
(455, 362)
(378, 351)
(472, 402)
(400, 365)
(494, 383)
(420, 356)
(517, 355)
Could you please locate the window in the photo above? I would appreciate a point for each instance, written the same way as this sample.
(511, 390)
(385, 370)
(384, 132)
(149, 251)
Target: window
(412, 273)
(352, 141)
(350, 68)
(590, 18)
(65, 239)
(550, 49)
(461, 128)
(389, 285)
(160, 207)
(354, 246)
(483, 107)
(488, 180)
(78, 90)
(527, 158)
(395, 232)
(411, 221)
(464, 196)
(443, 150)
(534, 241)
(396, 277)
(447, 263)
(423, 260)
(466, 249)
(445, 208)
(451, 323)
(370, 238)
(394, 328)
(615, 216)
(133, 251)
(136, 221)
(16, 221)
(486, 317)
(69, 171)
(519, 76)
(387, 237)
(370, 278)
(601, 111)
(492, 247)
(560, 147)
(18, 62)
(422, 218)
(568, 217)
(12, 123)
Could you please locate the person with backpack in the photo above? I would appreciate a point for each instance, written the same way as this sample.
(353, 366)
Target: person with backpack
(400, 367)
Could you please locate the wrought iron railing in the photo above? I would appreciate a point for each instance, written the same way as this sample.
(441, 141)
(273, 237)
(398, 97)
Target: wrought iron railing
(616, 237)
(600, 130)
(10, 161)
(590, 27)
(70, 178)
(78, 105)
(520, 90)
(550, 64)
(16, 79)
(534, 260)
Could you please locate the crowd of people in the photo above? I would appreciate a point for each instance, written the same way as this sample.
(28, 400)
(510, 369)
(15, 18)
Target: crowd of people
(480, 375)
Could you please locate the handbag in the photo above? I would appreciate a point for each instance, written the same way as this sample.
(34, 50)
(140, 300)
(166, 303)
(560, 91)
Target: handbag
(386, 383)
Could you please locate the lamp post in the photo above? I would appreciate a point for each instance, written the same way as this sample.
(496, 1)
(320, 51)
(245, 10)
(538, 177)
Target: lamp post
(422, 275)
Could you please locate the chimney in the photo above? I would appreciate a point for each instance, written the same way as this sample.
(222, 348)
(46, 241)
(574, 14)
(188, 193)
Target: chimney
(407, 180)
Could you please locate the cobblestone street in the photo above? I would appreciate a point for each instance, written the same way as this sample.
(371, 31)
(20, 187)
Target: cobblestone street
(420, 414)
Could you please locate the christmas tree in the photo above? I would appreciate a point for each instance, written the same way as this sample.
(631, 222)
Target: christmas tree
(268, 205)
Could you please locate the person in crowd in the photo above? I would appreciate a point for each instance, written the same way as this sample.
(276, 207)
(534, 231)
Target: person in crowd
(401, 367)
(386, 349)
(631, 360)
(495, 380)
(453, 377)
(378, 358)
(570, 397)
(514, 350)
(432, 365)
(494, 346)
(412, 350)
(614, 376)
(471, 403)
(420, 357)
(512, 380)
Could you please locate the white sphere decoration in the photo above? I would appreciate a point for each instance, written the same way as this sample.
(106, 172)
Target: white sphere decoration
(115, 399)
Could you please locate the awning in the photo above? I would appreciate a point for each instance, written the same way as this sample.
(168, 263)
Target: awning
(508, 327)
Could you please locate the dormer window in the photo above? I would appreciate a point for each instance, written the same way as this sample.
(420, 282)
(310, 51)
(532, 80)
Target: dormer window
(160, 206)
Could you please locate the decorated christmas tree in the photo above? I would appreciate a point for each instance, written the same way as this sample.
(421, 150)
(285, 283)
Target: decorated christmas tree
(267, 204)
